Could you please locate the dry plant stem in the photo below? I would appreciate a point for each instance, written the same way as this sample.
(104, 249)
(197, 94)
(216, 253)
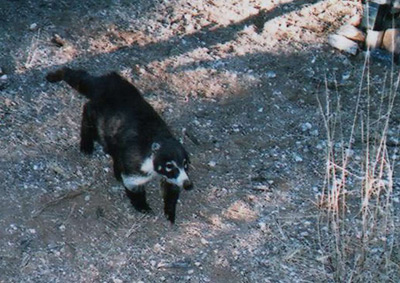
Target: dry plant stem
(377, 180)
(67, 196)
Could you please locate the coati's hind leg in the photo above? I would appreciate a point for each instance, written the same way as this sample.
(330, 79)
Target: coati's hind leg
(88, 130)
(170, 195)
(137, 196)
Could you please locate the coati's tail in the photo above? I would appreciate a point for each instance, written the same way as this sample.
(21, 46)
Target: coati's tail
(77, 79)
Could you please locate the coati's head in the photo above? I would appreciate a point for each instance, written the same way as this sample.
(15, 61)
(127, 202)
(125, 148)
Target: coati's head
(171, 161)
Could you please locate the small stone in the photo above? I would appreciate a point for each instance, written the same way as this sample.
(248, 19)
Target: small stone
(355, 20)
(203, 241)
(87, 198)
(189, 28)
(374, 39)
(349, 152)
(58, 40)
(298, 158)
(33, 26)
(343, 44)
(190, 271)
(212, 163)
(62, 228)
(346, 76)
(4, 77)
(197, 263)
(306, 126)
(351, 32)
(314, 133)
(271, 74)
(262, 226)
(391, 40)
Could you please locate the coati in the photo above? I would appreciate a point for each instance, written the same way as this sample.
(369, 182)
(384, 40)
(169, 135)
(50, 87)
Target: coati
(132, 133)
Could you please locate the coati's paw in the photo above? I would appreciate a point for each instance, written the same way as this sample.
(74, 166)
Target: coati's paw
(87, 148)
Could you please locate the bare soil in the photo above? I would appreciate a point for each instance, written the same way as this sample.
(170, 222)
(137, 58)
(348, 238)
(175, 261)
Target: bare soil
(237, 81)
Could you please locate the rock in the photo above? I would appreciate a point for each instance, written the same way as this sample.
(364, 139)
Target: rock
(58, 40)
(33, 27)
(351, 32)
(391, 40)
(306, 126)
(212, 163)
(4, 77)
(342, 43)
(355, 20)
(374, 39)
(297, 158)
(271, 74)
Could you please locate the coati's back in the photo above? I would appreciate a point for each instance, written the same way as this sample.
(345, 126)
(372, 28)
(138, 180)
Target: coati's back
(114, 96)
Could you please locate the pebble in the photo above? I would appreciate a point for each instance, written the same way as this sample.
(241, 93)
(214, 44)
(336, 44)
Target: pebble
(62, 228)
(351, 32)
(4, 77)
(298, 158)
(342, 43)
(33, 26)
(271, 74)
(203, 241)
(262, 225)
(87, 198)
(306, 126)
(212, 163)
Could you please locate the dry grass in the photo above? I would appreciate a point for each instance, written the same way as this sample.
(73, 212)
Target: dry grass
(358, 188)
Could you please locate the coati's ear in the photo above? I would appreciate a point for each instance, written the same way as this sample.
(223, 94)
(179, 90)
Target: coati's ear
(155, 146)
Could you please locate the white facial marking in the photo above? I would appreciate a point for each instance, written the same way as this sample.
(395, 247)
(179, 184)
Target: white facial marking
(132, 181)
(147, 166)
(182, 177)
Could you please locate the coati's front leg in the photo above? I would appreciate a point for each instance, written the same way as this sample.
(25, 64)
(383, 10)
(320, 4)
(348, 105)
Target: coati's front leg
(137, 196)
(171, 196)
(88, 130)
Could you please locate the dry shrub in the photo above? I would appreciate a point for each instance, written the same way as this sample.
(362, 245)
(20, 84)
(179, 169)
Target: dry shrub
(358, 236)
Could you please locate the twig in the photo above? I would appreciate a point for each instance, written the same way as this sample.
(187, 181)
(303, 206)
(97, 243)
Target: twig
(67, 196)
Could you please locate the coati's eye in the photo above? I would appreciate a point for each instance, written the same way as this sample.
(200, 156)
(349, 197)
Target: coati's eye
(169, 167)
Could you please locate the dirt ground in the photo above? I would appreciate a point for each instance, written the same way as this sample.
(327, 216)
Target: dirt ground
(237, 81)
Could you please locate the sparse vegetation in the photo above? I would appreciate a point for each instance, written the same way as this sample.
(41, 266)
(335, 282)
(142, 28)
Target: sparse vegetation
(358, 192)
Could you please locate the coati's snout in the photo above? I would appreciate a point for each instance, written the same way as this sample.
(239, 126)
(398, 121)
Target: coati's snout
(188, 185)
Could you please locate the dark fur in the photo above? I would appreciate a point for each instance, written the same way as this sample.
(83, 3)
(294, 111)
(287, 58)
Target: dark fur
(127, 127)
